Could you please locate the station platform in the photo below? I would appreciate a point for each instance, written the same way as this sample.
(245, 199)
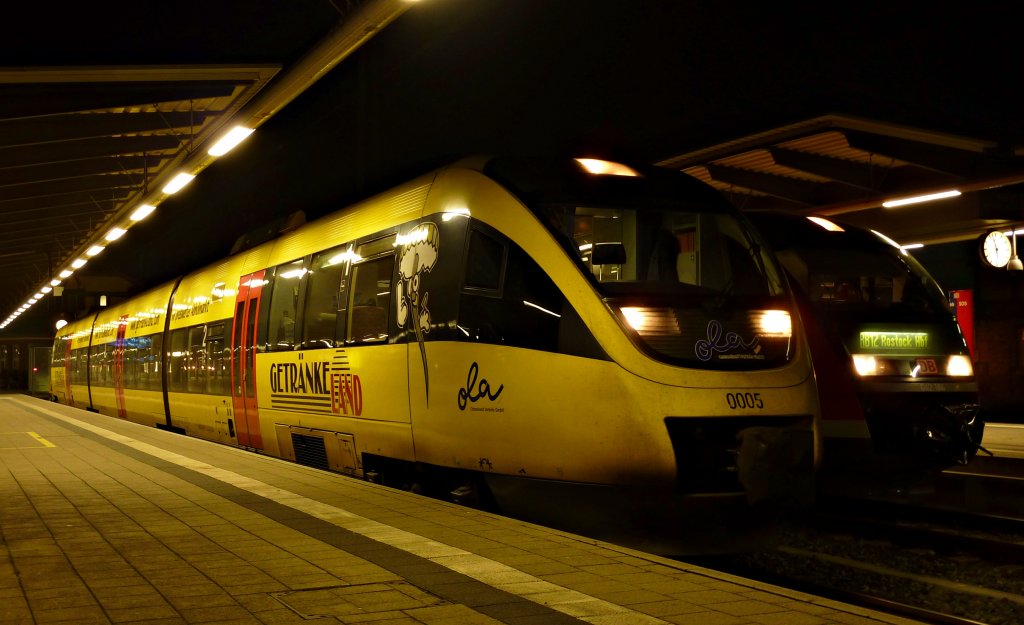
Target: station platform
(104, 521)
(1004, 440)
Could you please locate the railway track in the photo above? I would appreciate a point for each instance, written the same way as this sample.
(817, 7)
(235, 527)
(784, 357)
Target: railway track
(935, 566)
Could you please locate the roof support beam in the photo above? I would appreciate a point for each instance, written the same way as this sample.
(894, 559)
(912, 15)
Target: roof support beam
(843, 171)
(58, 187)
(87, 148)
(950, 161)
(84, 126)
(77, 169)
(789, 189)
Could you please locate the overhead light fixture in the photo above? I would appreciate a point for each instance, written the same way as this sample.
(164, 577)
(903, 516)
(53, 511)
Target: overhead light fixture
(228, 142)
(115, 234)
(94, 250)
(177, 183)
(66, 273)
(142, 212)
(78, 263)
(912, 246)
(920, 198)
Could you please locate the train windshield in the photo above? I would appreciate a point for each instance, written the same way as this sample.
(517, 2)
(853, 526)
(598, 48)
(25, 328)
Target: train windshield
(690, 280)
(631, 251)
(852, 271)
(862, 285)
(698, 287)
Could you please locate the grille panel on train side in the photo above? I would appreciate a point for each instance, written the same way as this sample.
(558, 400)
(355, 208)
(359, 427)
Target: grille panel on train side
(310, 451)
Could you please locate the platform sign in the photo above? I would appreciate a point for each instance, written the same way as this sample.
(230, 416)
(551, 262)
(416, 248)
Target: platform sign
(963, 309)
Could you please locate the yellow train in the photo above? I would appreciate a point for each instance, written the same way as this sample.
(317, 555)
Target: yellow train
(577, 341)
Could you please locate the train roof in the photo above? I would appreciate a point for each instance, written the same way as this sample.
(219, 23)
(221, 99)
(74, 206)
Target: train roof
(783, 230)
(540, 181)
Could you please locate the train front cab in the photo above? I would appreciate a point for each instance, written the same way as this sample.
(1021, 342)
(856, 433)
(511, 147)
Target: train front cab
(899, 397)
(612, 342)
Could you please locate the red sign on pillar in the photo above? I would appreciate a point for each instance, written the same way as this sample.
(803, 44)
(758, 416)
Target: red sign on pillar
(963, 309)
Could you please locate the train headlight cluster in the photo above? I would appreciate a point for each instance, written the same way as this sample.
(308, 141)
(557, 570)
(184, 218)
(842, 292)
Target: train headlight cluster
(774, 323)
(959, 365)
(865, 364)
(651, 321)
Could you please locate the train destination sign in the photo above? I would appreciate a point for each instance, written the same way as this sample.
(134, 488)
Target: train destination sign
(893, 341)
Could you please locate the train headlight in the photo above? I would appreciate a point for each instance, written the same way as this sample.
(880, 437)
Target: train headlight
(865, 364)
(774, 323)
(959, 365)
(651, 321)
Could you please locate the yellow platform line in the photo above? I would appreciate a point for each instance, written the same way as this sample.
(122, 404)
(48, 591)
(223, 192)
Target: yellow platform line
(42, 441)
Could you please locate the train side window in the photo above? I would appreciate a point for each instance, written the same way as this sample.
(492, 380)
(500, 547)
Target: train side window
(75, 366)
(98, 365)
(195, 364)
(535, 304)
(527, 314)
(218, 361)
(176, 380)
(323, 297)
(370, 292)
(485, 262)
(284, 304)
(150, 372)
(129, 358)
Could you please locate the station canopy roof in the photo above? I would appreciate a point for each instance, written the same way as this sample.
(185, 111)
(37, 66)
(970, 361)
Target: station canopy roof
(847, 167)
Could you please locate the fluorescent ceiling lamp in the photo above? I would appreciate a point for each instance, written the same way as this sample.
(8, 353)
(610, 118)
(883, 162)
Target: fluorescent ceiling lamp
(912, 246)
(142, 212)
(228, 142)
(54, 282)
(920, 198)
(46, 289)
(66, 273)
(178, 183)
(78, 263)
(115, 234)
(94, 250)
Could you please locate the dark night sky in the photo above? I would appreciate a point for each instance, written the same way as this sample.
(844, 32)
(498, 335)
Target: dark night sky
(638, 79)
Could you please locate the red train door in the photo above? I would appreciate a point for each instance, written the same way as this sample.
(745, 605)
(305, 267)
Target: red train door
(243, 353)
(118, 366)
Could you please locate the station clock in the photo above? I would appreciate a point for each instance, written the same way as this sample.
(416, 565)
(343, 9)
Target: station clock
(995, 248)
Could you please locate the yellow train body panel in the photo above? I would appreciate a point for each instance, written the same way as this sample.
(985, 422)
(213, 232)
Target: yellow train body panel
(551, 416)
(361, 392)
(203, 416)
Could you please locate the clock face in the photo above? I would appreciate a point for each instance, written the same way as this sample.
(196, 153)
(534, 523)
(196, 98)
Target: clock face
(995, 249)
